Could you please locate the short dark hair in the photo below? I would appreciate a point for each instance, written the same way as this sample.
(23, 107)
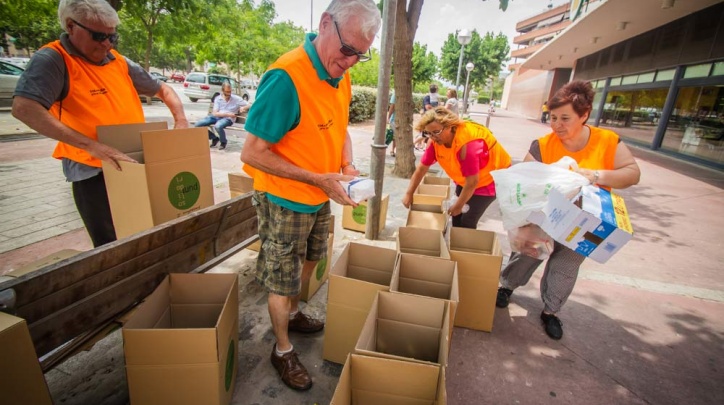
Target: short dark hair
(433, 88)
(579, 94)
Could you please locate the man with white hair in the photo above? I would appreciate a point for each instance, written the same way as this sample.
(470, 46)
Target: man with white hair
(297, 155)
(76, 83)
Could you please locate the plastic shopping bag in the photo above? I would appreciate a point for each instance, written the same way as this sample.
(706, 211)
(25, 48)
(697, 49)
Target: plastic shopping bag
(523, 188)
(531, 240)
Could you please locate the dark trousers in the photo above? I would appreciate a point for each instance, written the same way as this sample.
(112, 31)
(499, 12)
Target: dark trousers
(91, 200)
(478, 204)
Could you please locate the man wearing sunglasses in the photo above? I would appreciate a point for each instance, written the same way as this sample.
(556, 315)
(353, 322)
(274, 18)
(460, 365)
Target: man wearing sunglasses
(77, 83)
(297, 154)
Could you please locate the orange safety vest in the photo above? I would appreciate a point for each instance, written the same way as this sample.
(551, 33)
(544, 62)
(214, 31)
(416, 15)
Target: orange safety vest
(97, 95)
(317, 141)
(468, 132)
(599, 152)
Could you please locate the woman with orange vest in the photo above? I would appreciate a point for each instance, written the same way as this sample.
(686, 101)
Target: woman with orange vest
(603, 159)
(468, 152)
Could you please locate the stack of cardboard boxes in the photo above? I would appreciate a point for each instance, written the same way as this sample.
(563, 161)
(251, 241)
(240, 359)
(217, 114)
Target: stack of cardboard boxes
(427, 211)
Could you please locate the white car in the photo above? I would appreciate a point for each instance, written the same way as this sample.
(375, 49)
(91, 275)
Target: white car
(9, 75)
(200, 85)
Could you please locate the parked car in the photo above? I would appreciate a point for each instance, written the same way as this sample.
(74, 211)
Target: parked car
(159, 76)
(9, 75)
(18, 61)
(178, 77)
(200, 85)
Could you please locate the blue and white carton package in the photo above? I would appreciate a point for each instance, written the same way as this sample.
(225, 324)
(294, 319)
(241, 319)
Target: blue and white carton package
(596, 230)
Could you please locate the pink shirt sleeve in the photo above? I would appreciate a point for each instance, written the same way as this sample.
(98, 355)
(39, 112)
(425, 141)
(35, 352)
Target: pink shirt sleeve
(428, 158)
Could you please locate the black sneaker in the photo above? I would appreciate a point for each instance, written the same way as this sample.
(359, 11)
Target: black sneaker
(553, 325)
(223, 146)
(214, 142)
(503, 297)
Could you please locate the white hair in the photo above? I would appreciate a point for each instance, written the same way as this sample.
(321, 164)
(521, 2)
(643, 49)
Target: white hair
(366, 12)
(95, 11)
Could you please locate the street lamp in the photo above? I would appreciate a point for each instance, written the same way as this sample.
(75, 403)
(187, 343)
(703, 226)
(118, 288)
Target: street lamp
(464, 38)
(469, 67)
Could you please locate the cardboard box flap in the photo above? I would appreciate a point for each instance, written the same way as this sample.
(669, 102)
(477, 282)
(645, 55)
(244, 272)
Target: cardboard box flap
(433, 189)
(413, 309)
(165, 145)
(195, 316)
(370, 275)
(474, 241)
(427, 276)
(441, 181)
(170, 346)
(373, 257)
(424, 241)
(153, 308)
(127, 137)
(352, 293)
(126, 198)
(200, 288)
(371, 380)
(427, 220)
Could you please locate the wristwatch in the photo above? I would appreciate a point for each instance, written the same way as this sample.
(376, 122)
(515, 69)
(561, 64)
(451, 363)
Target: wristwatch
(595, 177)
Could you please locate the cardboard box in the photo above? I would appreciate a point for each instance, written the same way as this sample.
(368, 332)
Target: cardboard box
(376, 381)
(407, 327)
(439, 181)
(420, 241)
(359, 272)
(434, 190)
(239, 184)
(596, 230)
(181, 343)
(479, 258)
(429, 277)
(355, 219)
(172, 177)
(427, 212)
(321, 271)
(21, 379)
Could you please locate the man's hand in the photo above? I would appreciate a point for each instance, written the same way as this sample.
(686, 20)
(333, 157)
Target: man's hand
(329, 183)
(350, 170)
(109, 154)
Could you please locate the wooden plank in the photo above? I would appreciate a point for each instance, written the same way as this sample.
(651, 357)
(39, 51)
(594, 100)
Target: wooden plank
(74, 296)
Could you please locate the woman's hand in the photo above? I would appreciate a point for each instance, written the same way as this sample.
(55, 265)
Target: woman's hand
(407, 200)
(591, 175)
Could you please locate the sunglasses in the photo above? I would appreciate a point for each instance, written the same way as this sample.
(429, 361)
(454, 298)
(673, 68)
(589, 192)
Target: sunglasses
(433, 133)
(98, 36)
(347, 50)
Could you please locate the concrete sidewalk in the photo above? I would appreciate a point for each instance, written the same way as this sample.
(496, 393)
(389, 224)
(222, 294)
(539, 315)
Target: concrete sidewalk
(646, 328)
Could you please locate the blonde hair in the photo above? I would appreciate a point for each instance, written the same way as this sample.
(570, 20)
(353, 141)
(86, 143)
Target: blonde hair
(441, 115)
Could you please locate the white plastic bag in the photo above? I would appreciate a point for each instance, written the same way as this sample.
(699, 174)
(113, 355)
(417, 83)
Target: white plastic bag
(359, 189)
(523, 188)
(531, 240)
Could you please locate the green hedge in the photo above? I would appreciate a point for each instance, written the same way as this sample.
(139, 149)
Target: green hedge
(364, 101)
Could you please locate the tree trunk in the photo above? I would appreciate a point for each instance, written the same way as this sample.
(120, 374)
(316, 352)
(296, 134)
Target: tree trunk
(405, 28)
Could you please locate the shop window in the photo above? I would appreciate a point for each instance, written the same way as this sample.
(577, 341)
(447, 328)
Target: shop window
(697, 71)
(696, 126)
(631, 79)
(664, 75)
(616, 81)
(646, 77)
(634, 114)
(718, 69)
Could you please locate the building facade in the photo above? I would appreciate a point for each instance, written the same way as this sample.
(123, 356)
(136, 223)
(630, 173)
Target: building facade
(657, 67)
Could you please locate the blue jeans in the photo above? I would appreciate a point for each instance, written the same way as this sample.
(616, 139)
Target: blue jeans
(218, 123)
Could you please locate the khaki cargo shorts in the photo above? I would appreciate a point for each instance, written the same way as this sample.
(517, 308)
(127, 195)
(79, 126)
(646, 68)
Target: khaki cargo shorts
(288, 238)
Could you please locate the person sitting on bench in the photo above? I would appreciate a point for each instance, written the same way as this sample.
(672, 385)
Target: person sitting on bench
(226, 107)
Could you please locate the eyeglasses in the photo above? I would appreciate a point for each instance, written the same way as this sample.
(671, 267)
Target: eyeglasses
(98, 36)
(347, 50)
(433, 133)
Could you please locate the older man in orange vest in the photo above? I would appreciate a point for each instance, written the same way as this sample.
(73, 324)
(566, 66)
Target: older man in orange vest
(295, 155)
(77, 83)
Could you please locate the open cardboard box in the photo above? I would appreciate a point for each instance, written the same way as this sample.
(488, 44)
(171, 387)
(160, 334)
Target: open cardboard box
(407, 327)
(355, 219)
(442, 192)
(427, 212)
(377, 381)
(172, 177)
(421, 241)
(359, 272)
(436, 180)
(21, 379)
(596, 230)
(479, 257)
(181, 343)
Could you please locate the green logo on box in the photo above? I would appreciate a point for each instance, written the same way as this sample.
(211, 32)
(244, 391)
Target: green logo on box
(359, 214)
(321, 266)
(184, 190)
(230, 358)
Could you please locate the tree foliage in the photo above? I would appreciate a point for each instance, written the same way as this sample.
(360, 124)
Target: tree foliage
(30, 23)
(424, 65)
(487, 54)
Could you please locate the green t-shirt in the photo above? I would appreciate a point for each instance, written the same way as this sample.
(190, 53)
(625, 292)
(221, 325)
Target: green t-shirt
(276, 111)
